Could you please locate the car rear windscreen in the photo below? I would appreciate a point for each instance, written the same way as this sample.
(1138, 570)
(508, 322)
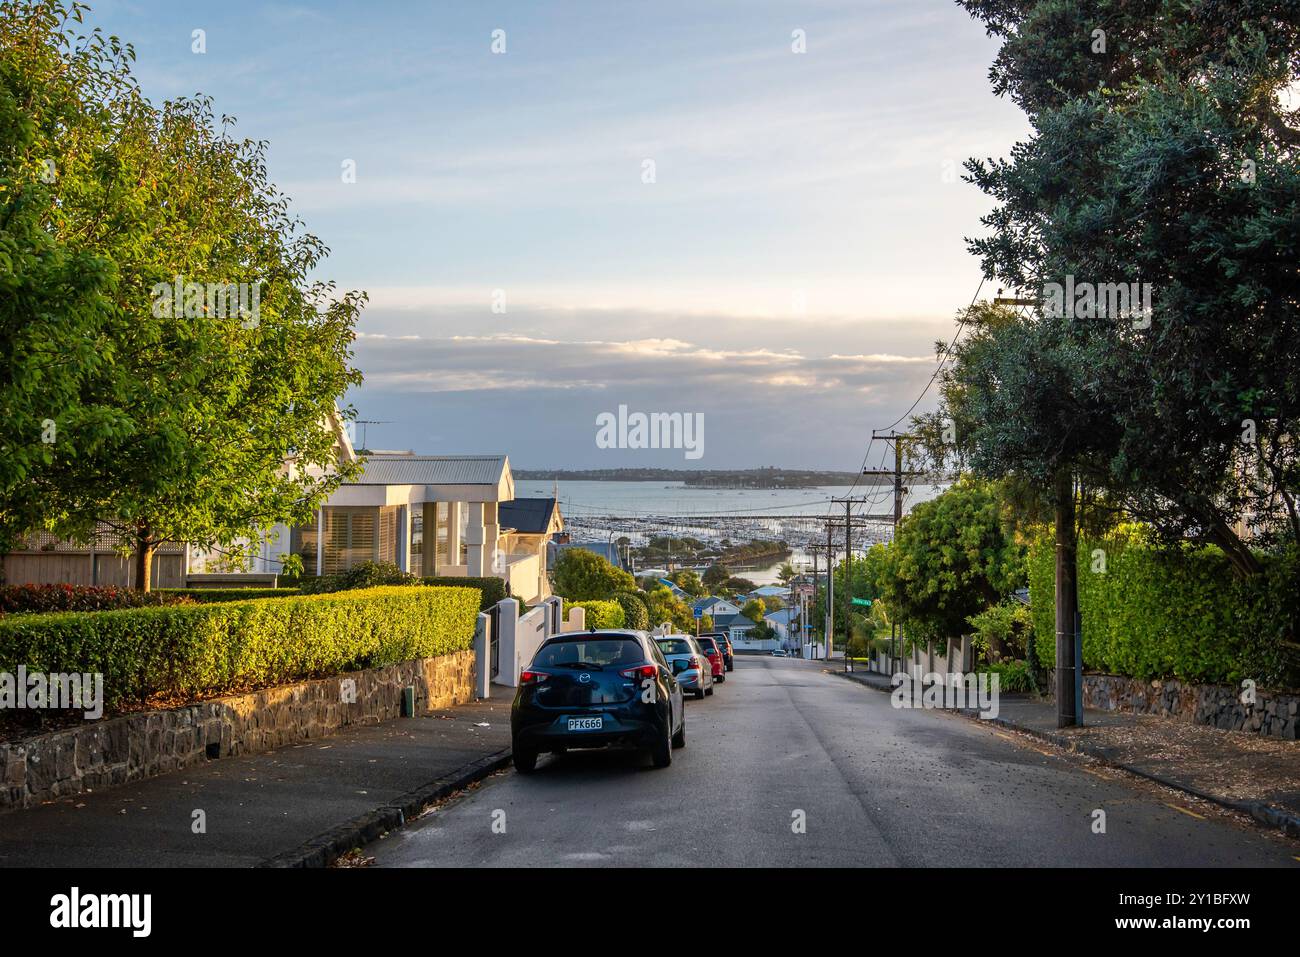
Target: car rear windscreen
(675, 646)
(590, 652)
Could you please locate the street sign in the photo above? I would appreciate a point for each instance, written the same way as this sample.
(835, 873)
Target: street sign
(699, 613)
(860, 601)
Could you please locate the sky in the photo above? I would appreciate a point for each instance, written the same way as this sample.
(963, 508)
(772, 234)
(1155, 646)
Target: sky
(659, 206)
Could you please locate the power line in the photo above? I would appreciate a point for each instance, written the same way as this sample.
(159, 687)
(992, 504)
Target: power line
(943, 357)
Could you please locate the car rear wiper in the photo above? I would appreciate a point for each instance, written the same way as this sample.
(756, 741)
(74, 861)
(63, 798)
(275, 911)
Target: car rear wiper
(584, 665)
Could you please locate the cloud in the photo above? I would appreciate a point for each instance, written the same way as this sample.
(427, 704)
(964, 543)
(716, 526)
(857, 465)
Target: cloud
(537, 393)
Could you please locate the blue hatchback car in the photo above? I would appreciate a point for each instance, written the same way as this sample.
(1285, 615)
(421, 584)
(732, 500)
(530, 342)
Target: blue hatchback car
(597, 689)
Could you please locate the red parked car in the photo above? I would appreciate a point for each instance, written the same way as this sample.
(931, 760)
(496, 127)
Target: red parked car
(724, 645)
(714, 654)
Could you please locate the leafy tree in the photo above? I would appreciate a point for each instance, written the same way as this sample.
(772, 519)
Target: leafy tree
(580, 575)
(716, 575)
(1161, 152)
(754, 609)
(1169, 157)
(667, 607)
(55, 291)
(786, 573)
(203, 402)
(689, 581)
(952, 557)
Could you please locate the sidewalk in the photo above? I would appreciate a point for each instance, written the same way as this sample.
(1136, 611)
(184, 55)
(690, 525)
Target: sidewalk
(1256, 775)
(300, 805)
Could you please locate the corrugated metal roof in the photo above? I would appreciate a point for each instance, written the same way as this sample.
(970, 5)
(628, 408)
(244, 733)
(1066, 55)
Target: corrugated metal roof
(432, 470)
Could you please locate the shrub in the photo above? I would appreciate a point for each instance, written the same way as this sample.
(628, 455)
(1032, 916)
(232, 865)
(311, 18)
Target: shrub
(1013, 676)
(1001, 630)
(1156, 614)
(635, 612)
(493, 589)
(193, 651)
(206, 596)
(361, 575)
(582, 576)
(600, 614)
(54, 598)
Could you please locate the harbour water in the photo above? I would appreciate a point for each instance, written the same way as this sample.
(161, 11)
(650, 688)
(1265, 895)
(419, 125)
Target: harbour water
(606, 511)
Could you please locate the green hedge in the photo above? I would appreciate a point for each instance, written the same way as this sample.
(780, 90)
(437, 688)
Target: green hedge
(208, 595)
(1155, 614)
(191, 651)
(493, 589)
(600, 614)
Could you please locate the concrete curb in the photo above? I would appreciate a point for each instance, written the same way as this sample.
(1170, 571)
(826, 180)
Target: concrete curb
(1262, 813)
(324, 849)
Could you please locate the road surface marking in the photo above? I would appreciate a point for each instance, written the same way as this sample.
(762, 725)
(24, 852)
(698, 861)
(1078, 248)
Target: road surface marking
(1185, 811)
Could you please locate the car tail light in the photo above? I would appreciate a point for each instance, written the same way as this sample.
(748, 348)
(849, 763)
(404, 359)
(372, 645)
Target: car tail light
(644, 671)
(532, 677)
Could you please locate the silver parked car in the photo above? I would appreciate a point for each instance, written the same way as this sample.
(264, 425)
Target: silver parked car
(688, 662)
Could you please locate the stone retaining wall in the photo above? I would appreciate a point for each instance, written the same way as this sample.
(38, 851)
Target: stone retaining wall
(1273, 715)
(132, 747)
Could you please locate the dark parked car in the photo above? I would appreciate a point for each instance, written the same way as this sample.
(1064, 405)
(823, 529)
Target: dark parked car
(724, 645)
(596, 689)
(714, 653)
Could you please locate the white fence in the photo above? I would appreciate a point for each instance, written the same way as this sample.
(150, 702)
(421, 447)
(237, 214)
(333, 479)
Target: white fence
(522, 635)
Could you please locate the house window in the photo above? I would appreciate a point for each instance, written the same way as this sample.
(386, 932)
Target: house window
(302, 542)
(388, 534)
(417, 539)
(449, 512)
(349, 538)
(441, 540)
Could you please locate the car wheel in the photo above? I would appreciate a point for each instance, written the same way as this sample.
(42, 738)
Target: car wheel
(525, 761)
(699, 694)
(679, 739)
(720, 678)
(710, 690)
(731, 667)
(661, 753)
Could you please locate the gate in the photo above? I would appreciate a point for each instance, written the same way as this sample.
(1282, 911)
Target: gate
(494, 642)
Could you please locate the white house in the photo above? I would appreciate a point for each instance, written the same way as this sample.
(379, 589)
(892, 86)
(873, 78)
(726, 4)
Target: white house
(434, 515)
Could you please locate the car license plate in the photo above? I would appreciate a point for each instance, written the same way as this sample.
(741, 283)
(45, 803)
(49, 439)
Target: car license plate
(586, 724)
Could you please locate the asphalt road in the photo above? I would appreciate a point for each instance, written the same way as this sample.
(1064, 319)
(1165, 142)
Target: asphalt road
(782, 742)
